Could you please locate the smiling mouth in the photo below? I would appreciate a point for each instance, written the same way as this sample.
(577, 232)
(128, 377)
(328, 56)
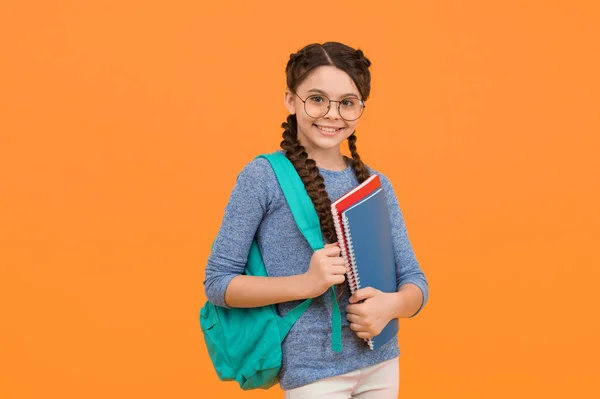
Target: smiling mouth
(328, 129)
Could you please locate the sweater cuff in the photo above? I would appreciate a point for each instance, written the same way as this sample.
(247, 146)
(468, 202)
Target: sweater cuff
(424, 290)
(215, 292)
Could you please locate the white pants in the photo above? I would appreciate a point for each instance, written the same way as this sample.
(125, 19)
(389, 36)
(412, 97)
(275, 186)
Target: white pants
(379, 381)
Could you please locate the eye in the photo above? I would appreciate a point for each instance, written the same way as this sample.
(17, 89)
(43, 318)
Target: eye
(316, 99)
(349, 102)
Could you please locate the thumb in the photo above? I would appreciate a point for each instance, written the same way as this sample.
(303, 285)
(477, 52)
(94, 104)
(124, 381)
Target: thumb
(363, 294)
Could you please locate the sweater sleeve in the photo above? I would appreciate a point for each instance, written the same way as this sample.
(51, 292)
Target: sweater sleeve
(248, 203)
(407, 266)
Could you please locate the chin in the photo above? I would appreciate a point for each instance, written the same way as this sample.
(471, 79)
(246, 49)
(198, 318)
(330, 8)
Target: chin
(327, 144)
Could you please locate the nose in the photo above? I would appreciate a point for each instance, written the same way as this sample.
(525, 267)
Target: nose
(334, 110)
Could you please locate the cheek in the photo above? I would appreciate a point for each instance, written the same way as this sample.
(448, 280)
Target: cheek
(351, 127)
(304, 121)
(348, 134)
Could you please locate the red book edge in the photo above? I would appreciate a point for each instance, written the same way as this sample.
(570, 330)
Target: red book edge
(357, 194)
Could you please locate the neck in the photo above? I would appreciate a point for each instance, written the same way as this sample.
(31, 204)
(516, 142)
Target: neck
(328, 158)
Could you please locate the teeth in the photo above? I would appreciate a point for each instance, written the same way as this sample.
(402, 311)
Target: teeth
(328, 129)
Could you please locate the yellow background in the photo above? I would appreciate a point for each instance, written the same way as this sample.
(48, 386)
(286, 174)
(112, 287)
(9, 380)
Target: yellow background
(124, 124)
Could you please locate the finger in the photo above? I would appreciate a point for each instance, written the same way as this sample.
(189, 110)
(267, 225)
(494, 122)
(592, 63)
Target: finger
(332, 251)
(354, 309)
(352, 318)
(364, 334)
(339, 279)
(337, 260)
(338, 269)
(357, 327)
(362, 294)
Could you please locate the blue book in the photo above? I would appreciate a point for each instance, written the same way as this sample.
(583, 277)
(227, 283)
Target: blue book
(370, 252)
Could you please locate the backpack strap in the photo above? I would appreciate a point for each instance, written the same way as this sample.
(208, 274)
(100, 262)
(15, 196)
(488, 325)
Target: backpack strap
(306, 218)
(297, 198)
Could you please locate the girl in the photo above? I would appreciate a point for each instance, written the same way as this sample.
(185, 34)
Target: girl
(327, 86)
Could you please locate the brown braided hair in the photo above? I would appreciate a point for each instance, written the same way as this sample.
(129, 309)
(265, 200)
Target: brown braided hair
(299, 66)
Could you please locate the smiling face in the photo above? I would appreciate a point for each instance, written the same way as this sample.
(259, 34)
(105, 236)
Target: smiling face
(326, 133)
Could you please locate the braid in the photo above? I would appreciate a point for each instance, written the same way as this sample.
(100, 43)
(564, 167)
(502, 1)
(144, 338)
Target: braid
(360, 170)
(299, 66)
(309, 173)
(313, 181)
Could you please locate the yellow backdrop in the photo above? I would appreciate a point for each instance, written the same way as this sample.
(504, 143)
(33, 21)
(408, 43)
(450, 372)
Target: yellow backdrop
(124, 124)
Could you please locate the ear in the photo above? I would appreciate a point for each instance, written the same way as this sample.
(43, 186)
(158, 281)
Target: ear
(290, 101)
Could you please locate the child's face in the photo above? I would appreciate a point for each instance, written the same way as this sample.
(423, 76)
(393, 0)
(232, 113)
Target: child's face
(330, 130)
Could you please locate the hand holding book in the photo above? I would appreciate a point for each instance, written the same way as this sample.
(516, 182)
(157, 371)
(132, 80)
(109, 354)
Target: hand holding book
(370, 310)
(327, 268)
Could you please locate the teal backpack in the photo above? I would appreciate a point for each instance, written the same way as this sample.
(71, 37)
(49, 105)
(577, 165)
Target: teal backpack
(244, 344)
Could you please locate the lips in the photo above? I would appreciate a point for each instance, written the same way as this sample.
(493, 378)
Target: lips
(328, 130)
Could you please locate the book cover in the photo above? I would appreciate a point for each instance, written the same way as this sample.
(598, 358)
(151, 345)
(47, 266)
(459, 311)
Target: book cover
(368, 240)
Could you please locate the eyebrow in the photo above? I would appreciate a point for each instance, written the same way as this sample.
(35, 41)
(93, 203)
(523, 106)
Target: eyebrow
(343, 96)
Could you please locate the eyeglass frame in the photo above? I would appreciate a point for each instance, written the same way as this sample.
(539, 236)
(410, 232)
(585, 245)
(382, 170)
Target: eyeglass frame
(329, 106)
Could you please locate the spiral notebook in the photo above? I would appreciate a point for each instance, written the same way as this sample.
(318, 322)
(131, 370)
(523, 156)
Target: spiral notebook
(364, 234)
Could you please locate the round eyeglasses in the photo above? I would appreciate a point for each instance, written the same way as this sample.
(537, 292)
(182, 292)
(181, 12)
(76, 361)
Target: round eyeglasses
(317, 106)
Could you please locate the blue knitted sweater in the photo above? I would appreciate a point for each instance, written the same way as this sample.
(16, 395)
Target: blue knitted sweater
(258, 208)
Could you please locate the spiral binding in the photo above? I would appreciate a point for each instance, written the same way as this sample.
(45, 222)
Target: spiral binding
(356, 278)
(339, 233)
